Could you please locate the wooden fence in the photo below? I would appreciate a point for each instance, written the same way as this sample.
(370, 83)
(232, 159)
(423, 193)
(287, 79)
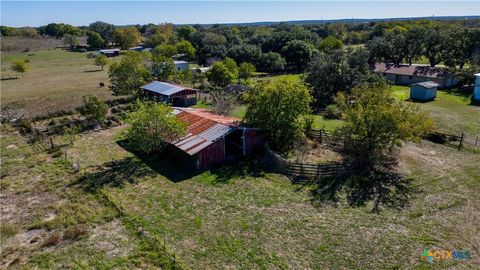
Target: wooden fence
(298, 171)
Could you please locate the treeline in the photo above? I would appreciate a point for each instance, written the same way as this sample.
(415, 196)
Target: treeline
(286, 47)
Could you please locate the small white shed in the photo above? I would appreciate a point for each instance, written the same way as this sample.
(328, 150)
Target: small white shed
(476, 89)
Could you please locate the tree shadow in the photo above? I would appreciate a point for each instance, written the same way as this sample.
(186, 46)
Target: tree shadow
(9, 78)
(113, 174)
(383, 188)
(95, 70)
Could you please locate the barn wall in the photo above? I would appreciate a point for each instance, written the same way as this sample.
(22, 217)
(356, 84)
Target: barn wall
(254, 141)
(212, 155)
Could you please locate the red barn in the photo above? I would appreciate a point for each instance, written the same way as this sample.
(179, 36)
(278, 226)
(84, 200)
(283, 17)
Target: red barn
(213, 139)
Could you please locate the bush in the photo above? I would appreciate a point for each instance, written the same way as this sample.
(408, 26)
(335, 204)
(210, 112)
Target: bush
(74, 233)
(25, 126)
(7, 230)
(52, 240)
(332, 112)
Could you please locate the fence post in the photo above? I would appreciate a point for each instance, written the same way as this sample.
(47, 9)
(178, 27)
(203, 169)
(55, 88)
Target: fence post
(318, 170)
(476, 142)
(321, 139)
(51, 142)
(461, 143)
(301, 169)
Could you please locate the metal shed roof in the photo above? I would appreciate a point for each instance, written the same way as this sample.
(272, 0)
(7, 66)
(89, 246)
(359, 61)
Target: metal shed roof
(204, 128)
(428, 84)
(164, 88)
(411, 70)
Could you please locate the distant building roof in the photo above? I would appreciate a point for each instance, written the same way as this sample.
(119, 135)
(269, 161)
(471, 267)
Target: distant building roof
(203, 128)
(201, 69)
(164, 88)
(428, 84)
(176, 62)
(411, 70)
(109, 50)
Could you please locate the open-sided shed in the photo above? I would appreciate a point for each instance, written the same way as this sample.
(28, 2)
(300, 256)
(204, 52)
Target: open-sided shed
(213, 139)
(177, 95)
(424, 91)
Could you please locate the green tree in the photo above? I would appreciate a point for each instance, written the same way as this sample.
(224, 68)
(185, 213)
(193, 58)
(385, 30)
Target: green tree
(127, 37)
(434, 45)
(94, 108)
(223, 73)
(281, 109)
(165, 50)
(71, 41)
(186, 31)
(105, 30)
(298, 54)
(152, 126)
(340, 70)
(271, 62)
(245, 53)
(330, 43)
(127, 76)
(246, 71)
(101, 61)
(19, 66)
(163, 68)
(94, 40)
(376, 124)
(185, 47)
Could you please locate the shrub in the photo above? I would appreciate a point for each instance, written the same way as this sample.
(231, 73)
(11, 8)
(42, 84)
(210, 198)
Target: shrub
(74, 233)
(7, 230)
(332, 112)
(52, 240)
(25, 126)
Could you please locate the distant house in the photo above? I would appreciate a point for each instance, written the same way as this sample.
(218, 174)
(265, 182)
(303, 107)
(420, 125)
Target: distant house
(409, 74)
(177, 95)
(181, 65)
(476, 89)
(423, 91)
(137, 49)
(213, 139)
(200, 69)
(110, 52)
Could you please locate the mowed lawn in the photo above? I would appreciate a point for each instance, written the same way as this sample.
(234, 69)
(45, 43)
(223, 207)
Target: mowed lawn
(245, 217)
(451, 111)
(55, 80)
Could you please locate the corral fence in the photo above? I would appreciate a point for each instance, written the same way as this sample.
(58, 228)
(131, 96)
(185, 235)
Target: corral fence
(325, 137)
(298, 172)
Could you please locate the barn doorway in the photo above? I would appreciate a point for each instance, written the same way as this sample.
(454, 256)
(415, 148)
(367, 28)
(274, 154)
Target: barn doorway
(234, 145)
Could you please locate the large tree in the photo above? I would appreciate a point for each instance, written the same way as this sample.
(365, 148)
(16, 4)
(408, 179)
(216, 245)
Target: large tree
(298, 54)
(105, 30)
(152, 126)
(271, 62)
(128, 75)
(244, 53)
(339, 71)
(281, 109)
(223, 73)
(376, 124)
(434, 45)
(94, 40)
(127, 37)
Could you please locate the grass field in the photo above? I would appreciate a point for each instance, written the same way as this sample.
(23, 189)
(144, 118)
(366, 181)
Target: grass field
(55, 80)
(451, 111)
(246, 217)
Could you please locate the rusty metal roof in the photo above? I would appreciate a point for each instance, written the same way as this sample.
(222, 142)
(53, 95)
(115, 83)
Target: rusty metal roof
(204, 128)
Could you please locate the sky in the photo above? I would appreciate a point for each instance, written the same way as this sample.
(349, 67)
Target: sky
(36, 13)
